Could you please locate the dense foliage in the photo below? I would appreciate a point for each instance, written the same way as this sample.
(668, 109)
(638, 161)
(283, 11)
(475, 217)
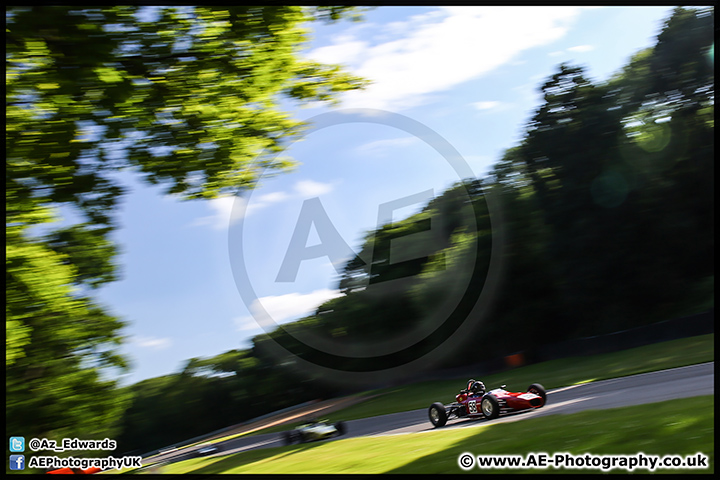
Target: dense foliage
(186, 97)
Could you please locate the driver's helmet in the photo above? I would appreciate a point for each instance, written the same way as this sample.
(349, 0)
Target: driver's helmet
(477, 387)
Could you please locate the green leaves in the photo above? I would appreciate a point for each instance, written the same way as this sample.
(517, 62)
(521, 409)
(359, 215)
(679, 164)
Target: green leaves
(199, 76)
(612, 167)
(189, 97)
(108, 75)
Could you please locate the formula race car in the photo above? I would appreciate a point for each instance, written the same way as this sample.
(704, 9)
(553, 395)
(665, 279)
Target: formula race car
(475, 402)
(206, 449)
(313, 430)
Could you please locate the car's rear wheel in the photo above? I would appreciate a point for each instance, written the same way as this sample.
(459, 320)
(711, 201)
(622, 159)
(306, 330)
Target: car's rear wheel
(288, 438)
(538, 390)
(437, 414)
(490, 407)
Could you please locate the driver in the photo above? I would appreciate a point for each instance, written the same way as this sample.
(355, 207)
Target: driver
(474, 388)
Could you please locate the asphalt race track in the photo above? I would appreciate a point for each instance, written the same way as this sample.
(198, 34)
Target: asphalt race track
(676, 383)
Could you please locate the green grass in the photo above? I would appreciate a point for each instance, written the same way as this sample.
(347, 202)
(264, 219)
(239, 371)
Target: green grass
(680, 427)
(553, 374)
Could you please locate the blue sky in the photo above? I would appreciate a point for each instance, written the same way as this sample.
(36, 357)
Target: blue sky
(470, 74)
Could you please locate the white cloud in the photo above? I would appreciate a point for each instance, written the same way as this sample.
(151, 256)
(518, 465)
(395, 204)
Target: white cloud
(576, 48)
(226, 212)
(283, 308)
(311, 188)
(273, 197)
(443, 48)
(346, 50)
(277, 309)
(581, 48)
(229, 210)
(151, 342)
(246, 324)
(488, 105)
(378, 147)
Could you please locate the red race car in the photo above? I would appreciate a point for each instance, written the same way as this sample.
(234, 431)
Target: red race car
(475, 402)
(71, 471)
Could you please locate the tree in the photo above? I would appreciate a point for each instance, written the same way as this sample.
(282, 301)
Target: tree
(622, 172)
(668, 142)
(187, 97)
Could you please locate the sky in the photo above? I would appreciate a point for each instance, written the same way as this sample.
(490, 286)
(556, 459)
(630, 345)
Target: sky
(199, 278)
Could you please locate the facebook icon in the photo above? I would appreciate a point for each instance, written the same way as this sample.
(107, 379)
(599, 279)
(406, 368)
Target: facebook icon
(17, 462)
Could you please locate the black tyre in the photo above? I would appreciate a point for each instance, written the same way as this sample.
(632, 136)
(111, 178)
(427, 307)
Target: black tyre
(538, 390)
(437, 414)
(340, 427)
(490, 406)
(288, 438)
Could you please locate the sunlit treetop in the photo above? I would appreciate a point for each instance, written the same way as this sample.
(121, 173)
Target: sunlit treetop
(189, 96)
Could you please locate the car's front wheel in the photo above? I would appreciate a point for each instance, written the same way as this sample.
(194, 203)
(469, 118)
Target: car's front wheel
(437, 414)
(340, 427)
(490, 407)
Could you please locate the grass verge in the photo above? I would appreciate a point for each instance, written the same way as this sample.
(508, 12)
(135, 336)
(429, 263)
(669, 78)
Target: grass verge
(552, 374)
(683, 427)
